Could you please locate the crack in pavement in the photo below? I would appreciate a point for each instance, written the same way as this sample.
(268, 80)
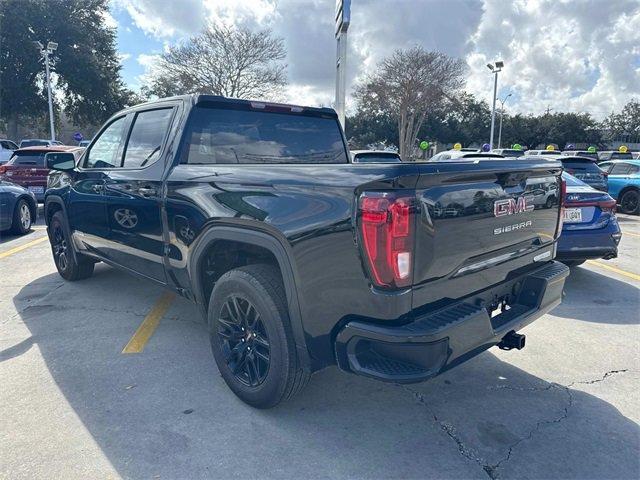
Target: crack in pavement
(492, 470)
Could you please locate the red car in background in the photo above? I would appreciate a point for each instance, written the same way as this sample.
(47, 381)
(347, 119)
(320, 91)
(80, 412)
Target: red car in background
(27, 167)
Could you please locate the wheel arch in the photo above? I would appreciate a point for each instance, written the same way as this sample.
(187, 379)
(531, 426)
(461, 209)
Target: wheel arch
(53, 204)
(256, 238)
(627, 188)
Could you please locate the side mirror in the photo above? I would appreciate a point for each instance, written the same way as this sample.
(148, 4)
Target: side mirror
(63, 161)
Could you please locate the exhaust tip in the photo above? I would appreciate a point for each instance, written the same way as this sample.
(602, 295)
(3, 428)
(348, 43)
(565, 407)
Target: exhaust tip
(512, 340)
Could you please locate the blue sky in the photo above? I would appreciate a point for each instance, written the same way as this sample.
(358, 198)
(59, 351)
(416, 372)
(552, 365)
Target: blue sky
(586, 59)
(133, 42)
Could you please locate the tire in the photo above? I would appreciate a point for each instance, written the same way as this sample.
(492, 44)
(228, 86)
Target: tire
(71, 266)
(256, 355)
(550, 202)
(630, 202)
(573, 263)
(22, 219)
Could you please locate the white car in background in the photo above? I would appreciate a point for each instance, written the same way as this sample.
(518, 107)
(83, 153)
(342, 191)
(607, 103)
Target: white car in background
(6, 150)
(374, 156)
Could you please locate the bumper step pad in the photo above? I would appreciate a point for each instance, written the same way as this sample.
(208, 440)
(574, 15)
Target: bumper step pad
(436, 341)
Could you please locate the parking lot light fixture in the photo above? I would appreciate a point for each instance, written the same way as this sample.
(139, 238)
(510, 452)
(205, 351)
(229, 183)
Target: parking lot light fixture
(45, 52)
(495, 69)
(502, 102)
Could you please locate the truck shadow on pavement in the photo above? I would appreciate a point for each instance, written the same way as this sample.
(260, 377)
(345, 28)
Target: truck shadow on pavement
(593, 297)
(166, 413)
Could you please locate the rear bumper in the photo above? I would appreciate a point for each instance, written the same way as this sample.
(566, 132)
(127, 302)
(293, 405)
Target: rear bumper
(440, 340)
(584, 244)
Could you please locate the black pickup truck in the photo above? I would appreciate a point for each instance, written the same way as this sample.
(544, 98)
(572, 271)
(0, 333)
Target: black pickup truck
(299, 259)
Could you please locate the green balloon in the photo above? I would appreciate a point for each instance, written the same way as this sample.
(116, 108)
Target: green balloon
(591, 149)
(424, 145)
(517, 146)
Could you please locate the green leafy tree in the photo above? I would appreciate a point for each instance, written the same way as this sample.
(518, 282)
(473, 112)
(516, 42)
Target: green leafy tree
(627, 122)
(85, 66)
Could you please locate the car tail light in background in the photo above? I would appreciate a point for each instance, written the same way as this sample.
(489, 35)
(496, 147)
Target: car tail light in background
(3, 169)
(608, 206)
(386, 222)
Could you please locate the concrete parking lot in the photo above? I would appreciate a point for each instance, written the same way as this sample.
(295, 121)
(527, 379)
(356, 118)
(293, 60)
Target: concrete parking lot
(72, 405)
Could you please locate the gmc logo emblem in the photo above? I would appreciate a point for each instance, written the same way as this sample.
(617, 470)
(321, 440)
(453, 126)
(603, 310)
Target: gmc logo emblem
(511, 206)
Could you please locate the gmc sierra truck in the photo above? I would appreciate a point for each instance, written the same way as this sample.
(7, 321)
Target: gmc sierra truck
(299, 259)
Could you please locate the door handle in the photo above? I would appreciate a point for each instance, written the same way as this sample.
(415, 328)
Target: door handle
(147, 191)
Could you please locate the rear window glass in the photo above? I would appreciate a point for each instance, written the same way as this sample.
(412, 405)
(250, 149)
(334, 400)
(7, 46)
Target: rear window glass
(581, 165)
(228, 136)
(34, 159)
(572, 181)
(377, 158)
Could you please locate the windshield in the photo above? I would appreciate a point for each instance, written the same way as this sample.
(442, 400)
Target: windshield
(33, 143)
(377, 158)
(622, 156)
(226, 135)
(512, 153)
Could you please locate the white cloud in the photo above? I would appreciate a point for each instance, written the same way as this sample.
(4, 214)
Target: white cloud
(571, 55)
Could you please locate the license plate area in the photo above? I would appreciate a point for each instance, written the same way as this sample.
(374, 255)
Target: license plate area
(573, 215)
(36, 189)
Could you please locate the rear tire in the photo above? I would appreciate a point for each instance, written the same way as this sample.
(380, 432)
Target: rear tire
(630, 202)
(251, 336)
(71, 266)
(21, 223)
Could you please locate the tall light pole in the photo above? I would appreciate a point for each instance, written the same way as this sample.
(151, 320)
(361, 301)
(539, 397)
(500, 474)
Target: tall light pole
(502, 102)
(343, 19)
(495, 69)
(45, 52)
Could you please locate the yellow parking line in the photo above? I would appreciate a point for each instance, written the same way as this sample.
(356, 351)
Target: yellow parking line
(634, 276)
(624, 232)
(149, 324)
(39, 227)
(19, 248)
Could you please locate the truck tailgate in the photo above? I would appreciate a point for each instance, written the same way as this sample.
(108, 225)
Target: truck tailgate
(479, 224)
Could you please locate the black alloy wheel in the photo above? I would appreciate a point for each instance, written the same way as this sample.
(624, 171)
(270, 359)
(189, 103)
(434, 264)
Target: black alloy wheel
(60, 247)
(630, 202)
(243, 341)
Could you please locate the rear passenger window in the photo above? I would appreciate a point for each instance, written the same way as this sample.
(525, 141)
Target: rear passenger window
(620, 169)
(145, 141)
(104, 151)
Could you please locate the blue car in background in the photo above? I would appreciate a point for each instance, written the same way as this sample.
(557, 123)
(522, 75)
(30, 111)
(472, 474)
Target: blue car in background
(590, 228)
(624, 183)
(18, 208)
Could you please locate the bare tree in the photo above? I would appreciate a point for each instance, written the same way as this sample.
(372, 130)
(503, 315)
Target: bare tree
(230, 61)
(408, 85)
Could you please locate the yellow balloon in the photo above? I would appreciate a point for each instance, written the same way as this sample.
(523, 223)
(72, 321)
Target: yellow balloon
(457, 146)
(550, 147)
(623, 149)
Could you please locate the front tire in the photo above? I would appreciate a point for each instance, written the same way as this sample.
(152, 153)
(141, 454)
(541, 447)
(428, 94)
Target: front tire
(630, 202)
(21, 223)
(251, 337)
(71, 266)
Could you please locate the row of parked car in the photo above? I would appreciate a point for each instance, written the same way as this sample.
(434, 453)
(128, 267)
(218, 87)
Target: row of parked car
(594, 190)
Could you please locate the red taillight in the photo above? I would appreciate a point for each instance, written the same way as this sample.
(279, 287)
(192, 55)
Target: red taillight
(608, 206)
(387, 230)
(3, 169)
